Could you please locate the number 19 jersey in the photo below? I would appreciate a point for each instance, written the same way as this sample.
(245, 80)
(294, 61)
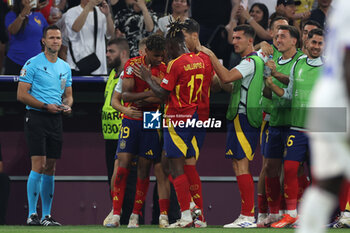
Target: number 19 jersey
(184, 80)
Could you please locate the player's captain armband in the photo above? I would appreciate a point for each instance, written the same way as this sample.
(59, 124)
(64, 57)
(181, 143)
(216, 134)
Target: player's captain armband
(165, 81)
(23, 72)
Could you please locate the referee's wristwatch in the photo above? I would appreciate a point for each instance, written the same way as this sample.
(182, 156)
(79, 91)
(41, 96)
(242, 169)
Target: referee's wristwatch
(44, 106)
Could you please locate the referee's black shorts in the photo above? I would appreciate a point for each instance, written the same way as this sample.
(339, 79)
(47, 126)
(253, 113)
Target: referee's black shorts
(43, 132)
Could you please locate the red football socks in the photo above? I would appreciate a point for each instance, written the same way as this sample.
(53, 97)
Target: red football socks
(246, 188)
(303, 184)
(140, 196)
(262, 204)
(343, 196)
(272, 185)
(291, 184)
(119, 189)
(195, 185)
(182, 188)
(164, 206)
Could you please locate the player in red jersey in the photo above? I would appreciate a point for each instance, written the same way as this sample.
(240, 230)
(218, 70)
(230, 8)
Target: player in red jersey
(133, 139)
(181, 87)
(191, 33)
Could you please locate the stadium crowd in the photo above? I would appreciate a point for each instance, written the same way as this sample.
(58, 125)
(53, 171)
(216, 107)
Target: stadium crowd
(267, 54)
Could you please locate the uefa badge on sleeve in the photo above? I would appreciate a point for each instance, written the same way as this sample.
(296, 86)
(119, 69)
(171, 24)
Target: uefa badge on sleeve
(151, 120)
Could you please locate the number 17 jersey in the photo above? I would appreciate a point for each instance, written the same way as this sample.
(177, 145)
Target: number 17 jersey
(184, 80)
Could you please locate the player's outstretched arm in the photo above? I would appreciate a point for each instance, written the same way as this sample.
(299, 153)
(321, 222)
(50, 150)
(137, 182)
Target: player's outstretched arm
(156, 88)
(225, 75)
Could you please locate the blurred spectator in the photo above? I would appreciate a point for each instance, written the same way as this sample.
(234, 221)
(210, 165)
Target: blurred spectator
(319, 15)
(161, 7)
(135, 22)
(270, 4)
(3, 35)
(25, 27)
(80, 25)
(4, 191)
(287, 8)
(210, 16)
(53, 10)
(258, 18)
(179, 10)
(117, 5)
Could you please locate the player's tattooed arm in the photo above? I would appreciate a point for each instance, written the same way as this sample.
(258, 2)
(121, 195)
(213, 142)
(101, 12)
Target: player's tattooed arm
(156, 88)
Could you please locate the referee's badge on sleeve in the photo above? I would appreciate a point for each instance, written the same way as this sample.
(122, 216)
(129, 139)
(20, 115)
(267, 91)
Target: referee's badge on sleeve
(23, 73)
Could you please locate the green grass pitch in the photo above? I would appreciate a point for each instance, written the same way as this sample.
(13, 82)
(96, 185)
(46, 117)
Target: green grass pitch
(143, 229)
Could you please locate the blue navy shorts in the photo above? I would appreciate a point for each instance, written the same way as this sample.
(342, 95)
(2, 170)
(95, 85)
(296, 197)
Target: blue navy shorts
(138, 141)
(242, 139)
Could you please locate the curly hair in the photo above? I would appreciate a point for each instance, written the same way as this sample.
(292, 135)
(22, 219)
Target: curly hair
(155, 42)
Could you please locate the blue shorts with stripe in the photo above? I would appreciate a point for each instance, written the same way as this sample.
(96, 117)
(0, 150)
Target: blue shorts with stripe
(138, 141)
(199, 135)
(297, 146)
(275, 142)
(242, 139)
(263, 135)
(181, 141)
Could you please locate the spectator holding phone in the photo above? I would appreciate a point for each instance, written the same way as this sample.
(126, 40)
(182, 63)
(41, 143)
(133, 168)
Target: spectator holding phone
(25, 28)
(80, 31)
(135, 22)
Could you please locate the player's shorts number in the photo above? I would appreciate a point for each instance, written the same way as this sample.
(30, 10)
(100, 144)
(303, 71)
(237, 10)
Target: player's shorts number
(125, 132)
(191, 85)
(290, 140)
(108, 128)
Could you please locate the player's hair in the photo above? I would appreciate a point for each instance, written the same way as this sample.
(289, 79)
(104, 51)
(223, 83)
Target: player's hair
(142, 42)
(311, 22)
(175, 31)
(273, 20)
(191, 26)
(293, 31)
(248, 30)
(51, 27)
(121, 43)
(316, 31)
(155, 42)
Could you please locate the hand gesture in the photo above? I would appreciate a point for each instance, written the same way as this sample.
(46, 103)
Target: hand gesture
(145, 73)
(26, 9)
(53, 108)
(268, 82)
(243, 13)
(42, 4)
(141, 4)
(204, 50)
(66, 109)
(137, 70)
(133, 112)
(272, 65)
(104, 8)
(266, 48)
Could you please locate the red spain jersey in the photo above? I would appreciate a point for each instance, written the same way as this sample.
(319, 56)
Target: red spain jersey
(140, 85)
(184, 80)
(203, 103)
